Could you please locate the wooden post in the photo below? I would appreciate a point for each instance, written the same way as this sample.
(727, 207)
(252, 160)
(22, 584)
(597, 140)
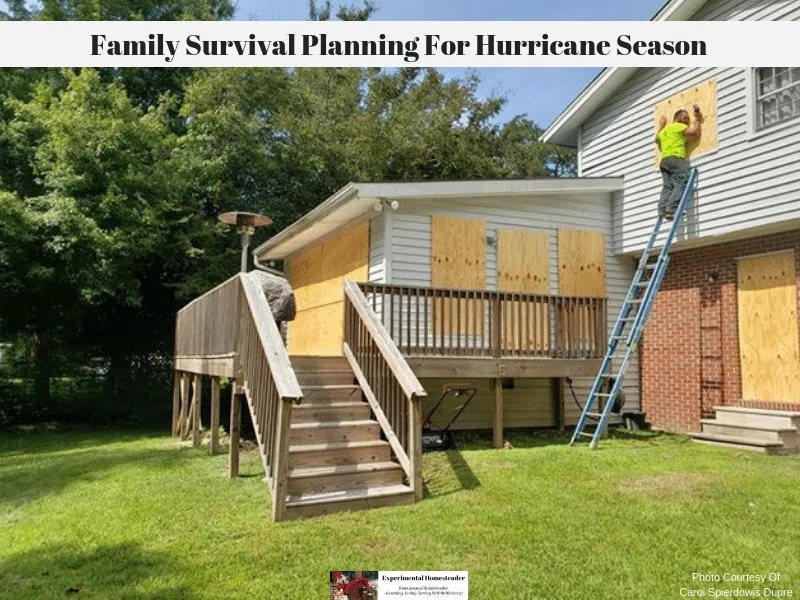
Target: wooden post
(214, 448)
(176, 404)
(561, 407)
(236, 424)
(498, 412)
(281, 458)
(497, 326)
(415, 446)
(184, 419)
(197, 404)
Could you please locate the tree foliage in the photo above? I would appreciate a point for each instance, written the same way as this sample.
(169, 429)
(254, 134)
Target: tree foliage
(111, 179)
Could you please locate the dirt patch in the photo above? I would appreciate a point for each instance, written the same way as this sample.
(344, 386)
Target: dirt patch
(670, 486)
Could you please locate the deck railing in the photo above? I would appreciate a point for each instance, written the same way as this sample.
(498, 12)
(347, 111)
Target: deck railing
(426, 321)
(390, 386)
(234, 319)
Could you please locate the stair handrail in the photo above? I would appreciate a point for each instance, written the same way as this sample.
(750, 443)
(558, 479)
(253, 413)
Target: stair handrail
(272, 342)
(392, 389)
(269, 384)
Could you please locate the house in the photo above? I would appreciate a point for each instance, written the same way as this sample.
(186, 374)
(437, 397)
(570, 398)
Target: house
(402, 289)
(511, 287)
(723, 337)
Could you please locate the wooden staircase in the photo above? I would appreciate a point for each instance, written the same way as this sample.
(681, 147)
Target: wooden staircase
(333, 433)
(337, 459)
(760, 430)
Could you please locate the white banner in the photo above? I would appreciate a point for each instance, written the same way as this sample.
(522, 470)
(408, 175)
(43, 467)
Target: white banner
(423, 585)
(400, 43)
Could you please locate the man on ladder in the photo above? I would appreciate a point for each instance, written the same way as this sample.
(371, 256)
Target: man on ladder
(672, 141)
(679, 183)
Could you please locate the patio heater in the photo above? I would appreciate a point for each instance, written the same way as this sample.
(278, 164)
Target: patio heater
(246, 223)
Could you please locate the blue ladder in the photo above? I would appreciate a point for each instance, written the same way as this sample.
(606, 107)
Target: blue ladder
(632, 317)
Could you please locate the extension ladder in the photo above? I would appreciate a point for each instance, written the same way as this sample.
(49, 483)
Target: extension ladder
(632, 318)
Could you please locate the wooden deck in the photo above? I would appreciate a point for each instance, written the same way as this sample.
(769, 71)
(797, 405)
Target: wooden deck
(485, 333)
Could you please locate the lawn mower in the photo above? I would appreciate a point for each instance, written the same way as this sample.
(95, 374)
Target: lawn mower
(442, 439)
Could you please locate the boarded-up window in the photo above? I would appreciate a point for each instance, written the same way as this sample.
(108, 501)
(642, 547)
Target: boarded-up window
(316, 274)
(705, 96)
(458, 260)
(768, 335)
(581, 263)
(581, 272)
(523, 265)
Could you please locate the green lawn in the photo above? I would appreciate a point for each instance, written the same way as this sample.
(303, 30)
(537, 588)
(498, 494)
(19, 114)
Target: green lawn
(124, 515)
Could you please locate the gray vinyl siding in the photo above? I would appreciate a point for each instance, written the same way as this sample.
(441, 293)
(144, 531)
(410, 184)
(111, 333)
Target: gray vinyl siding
(377, 254)
(750, 181)
(411, 249)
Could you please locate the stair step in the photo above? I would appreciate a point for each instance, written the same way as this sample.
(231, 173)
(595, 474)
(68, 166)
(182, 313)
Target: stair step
(737, 442)
(338, 453)
(317, 378)
(307, 505)
(757, 417)
(788, 436)
(319, 363)
(333, 431)
(326, 394)
(313, 480)
(334, 411)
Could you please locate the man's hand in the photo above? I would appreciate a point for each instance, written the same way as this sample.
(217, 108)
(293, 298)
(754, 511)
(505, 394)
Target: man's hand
(662, 122)
(693, 131)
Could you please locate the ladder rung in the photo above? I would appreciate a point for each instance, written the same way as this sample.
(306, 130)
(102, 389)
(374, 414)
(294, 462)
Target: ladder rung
(584, 434)
(604, 395)
(594, 415)
(651, 266)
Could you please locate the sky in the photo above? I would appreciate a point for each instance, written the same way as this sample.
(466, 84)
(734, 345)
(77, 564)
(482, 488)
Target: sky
(539, 93)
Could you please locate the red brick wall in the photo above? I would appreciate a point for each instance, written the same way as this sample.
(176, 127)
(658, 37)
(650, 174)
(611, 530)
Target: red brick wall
(690, 349)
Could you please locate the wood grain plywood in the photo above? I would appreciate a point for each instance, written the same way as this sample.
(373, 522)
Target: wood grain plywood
(458, 260)
(458, 253)
(316, 275)
(523, 265)
(768, 335)
(581, 263)
(523, 262)
(305, 275)
(705, 96)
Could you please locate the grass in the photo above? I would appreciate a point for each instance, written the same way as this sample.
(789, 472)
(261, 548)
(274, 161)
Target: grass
(132, 515)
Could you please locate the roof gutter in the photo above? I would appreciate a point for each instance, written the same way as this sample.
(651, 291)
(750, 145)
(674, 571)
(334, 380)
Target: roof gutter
(340, 197)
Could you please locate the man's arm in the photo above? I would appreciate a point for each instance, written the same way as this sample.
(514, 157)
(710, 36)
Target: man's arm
(662, 122)
(694, 130)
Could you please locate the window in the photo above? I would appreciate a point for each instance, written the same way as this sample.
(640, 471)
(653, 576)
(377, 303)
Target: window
(777, 95)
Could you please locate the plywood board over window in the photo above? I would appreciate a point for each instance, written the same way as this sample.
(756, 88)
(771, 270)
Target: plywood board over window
(581, 262)
(316, 275)
(523, 265)
(768, 334)
(458, 260)
(705, 96)
(581, 272)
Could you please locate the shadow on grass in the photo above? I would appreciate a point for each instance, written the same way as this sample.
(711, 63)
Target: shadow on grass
(26, 476)
(448, 473)
(121, 572)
